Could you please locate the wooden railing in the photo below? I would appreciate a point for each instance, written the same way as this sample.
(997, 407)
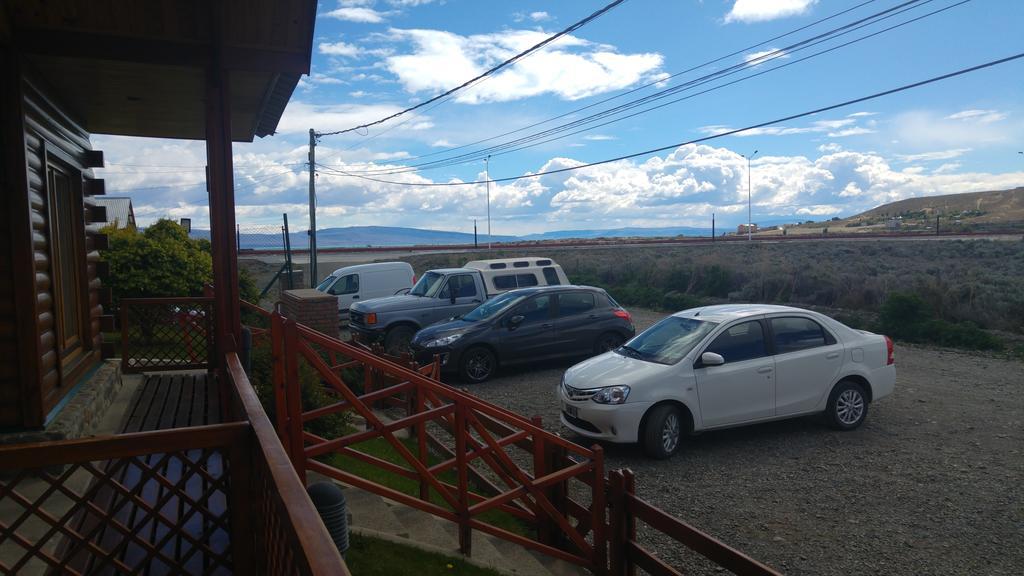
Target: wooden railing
(166, 333)
(473, 463)
(202, 500)
(628, 554)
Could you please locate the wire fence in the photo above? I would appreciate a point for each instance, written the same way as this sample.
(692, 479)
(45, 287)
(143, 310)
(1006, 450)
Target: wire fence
(273, 239)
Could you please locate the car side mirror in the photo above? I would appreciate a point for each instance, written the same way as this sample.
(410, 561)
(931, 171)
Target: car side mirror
(711, 359)
(515, 321)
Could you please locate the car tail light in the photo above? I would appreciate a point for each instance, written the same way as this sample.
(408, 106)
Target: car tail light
(413, 279)
(624, 315)
(890, 358)
(371, 318)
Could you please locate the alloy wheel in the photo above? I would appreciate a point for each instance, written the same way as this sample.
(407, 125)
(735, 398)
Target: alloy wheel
(670, 433)
(849, 407)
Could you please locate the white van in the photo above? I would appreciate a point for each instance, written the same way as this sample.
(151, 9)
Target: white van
(366, 281)
(504, 274)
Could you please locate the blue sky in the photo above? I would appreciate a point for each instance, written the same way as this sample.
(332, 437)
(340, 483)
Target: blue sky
(375, 57)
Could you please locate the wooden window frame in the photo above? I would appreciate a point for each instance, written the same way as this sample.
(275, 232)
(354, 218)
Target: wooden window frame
(70, 357)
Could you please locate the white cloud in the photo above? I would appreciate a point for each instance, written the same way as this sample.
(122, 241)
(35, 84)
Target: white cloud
(980, 116)
(861, 114)
(301, 116)
(931, 156)
(571, 68)
(357, 14)
(922, 129)
(829, 148)
(679, 188)
(540, 16)
(599, 137)
(763, 10)
(855, 131)
(833, 128)
(763, 56)
(339, 48)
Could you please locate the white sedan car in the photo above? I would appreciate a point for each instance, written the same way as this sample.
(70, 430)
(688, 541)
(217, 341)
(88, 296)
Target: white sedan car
(724, 366)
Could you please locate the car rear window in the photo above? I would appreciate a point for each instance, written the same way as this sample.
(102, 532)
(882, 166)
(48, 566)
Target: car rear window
(551, 276)
(793, 334)
(573, 303)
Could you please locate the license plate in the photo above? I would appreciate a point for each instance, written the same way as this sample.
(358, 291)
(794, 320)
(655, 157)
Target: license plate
(571, 410)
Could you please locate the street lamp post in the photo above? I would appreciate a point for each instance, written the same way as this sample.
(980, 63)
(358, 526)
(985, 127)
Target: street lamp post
(487, 171)
(749, 219)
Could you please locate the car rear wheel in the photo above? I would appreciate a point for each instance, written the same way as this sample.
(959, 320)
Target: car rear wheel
(478, 364)
(396, 341)
(607, 341)
(663, 431)
(847, 405)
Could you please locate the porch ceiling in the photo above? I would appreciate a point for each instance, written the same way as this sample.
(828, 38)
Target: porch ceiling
(139, 68)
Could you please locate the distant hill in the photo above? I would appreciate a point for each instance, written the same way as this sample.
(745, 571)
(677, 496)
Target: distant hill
(970, 211)
(995, 206)
(620, 233)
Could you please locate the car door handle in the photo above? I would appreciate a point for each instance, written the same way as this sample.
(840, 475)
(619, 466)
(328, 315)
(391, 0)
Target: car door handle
(832, 355)
(355, 297)
(546, 325)
(592, 316)
(764, 369)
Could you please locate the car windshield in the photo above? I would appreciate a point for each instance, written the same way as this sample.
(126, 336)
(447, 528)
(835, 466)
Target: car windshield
(326, 283)
(668, 341)
(493, 307)
(428, 285)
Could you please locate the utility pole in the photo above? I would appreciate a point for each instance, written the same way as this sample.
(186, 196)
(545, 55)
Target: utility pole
(475, 245)
(312, 209)
(487, 171)
(712, 226)
(749, 232)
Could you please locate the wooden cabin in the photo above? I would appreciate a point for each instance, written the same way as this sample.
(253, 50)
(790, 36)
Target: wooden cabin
(217, 71)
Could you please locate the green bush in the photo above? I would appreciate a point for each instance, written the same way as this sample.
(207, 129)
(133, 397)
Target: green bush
(314, 395)
(907, 317)
(160, 261)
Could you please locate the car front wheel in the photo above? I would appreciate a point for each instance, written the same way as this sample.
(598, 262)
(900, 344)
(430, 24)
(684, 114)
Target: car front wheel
(396, 341)
(847, 405)
(663, 431)
(478, 364)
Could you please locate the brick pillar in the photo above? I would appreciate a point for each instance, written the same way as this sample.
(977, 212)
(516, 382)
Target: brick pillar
(282, 281)
(314, 309)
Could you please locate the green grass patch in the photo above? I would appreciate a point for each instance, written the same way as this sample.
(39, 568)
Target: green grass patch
(380, 448)
(372, 557)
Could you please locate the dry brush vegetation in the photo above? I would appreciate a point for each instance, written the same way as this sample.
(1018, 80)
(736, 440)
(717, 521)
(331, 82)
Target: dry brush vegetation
(953, 286)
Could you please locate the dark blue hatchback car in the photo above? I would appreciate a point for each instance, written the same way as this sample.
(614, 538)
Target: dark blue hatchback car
(525, 325)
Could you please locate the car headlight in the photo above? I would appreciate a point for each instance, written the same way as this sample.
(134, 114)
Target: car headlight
(611, 395)
(443, 341)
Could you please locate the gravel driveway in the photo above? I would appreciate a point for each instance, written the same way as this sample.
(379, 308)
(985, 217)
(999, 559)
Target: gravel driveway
(931, 483)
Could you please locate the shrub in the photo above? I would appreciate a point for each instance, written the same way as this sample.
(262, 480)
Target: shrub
(160, 261)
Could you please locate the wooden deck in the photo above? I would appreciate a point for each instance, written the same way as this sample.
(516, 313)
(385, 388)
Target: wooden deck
(170, 507)
(175, 400)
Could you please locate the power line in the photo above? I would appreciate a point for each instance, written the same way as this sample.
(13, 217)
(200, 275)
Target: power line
(706, 138)
(631, 91)
(506, 63)
(538, 138)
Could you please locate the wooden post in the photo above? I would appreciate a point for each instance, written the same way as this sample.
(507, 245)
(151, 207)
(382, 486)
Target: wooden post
(545, 529)
(617, 523)
(597, 514)
(293, 397)
(629, 522)
(220, 184)
(461, 430)
(558, 492)
(419, 405)
(280, 360)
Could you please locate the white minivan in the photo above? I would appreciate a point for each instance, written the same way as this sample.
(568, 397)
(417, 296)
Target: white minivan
(367, 281)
